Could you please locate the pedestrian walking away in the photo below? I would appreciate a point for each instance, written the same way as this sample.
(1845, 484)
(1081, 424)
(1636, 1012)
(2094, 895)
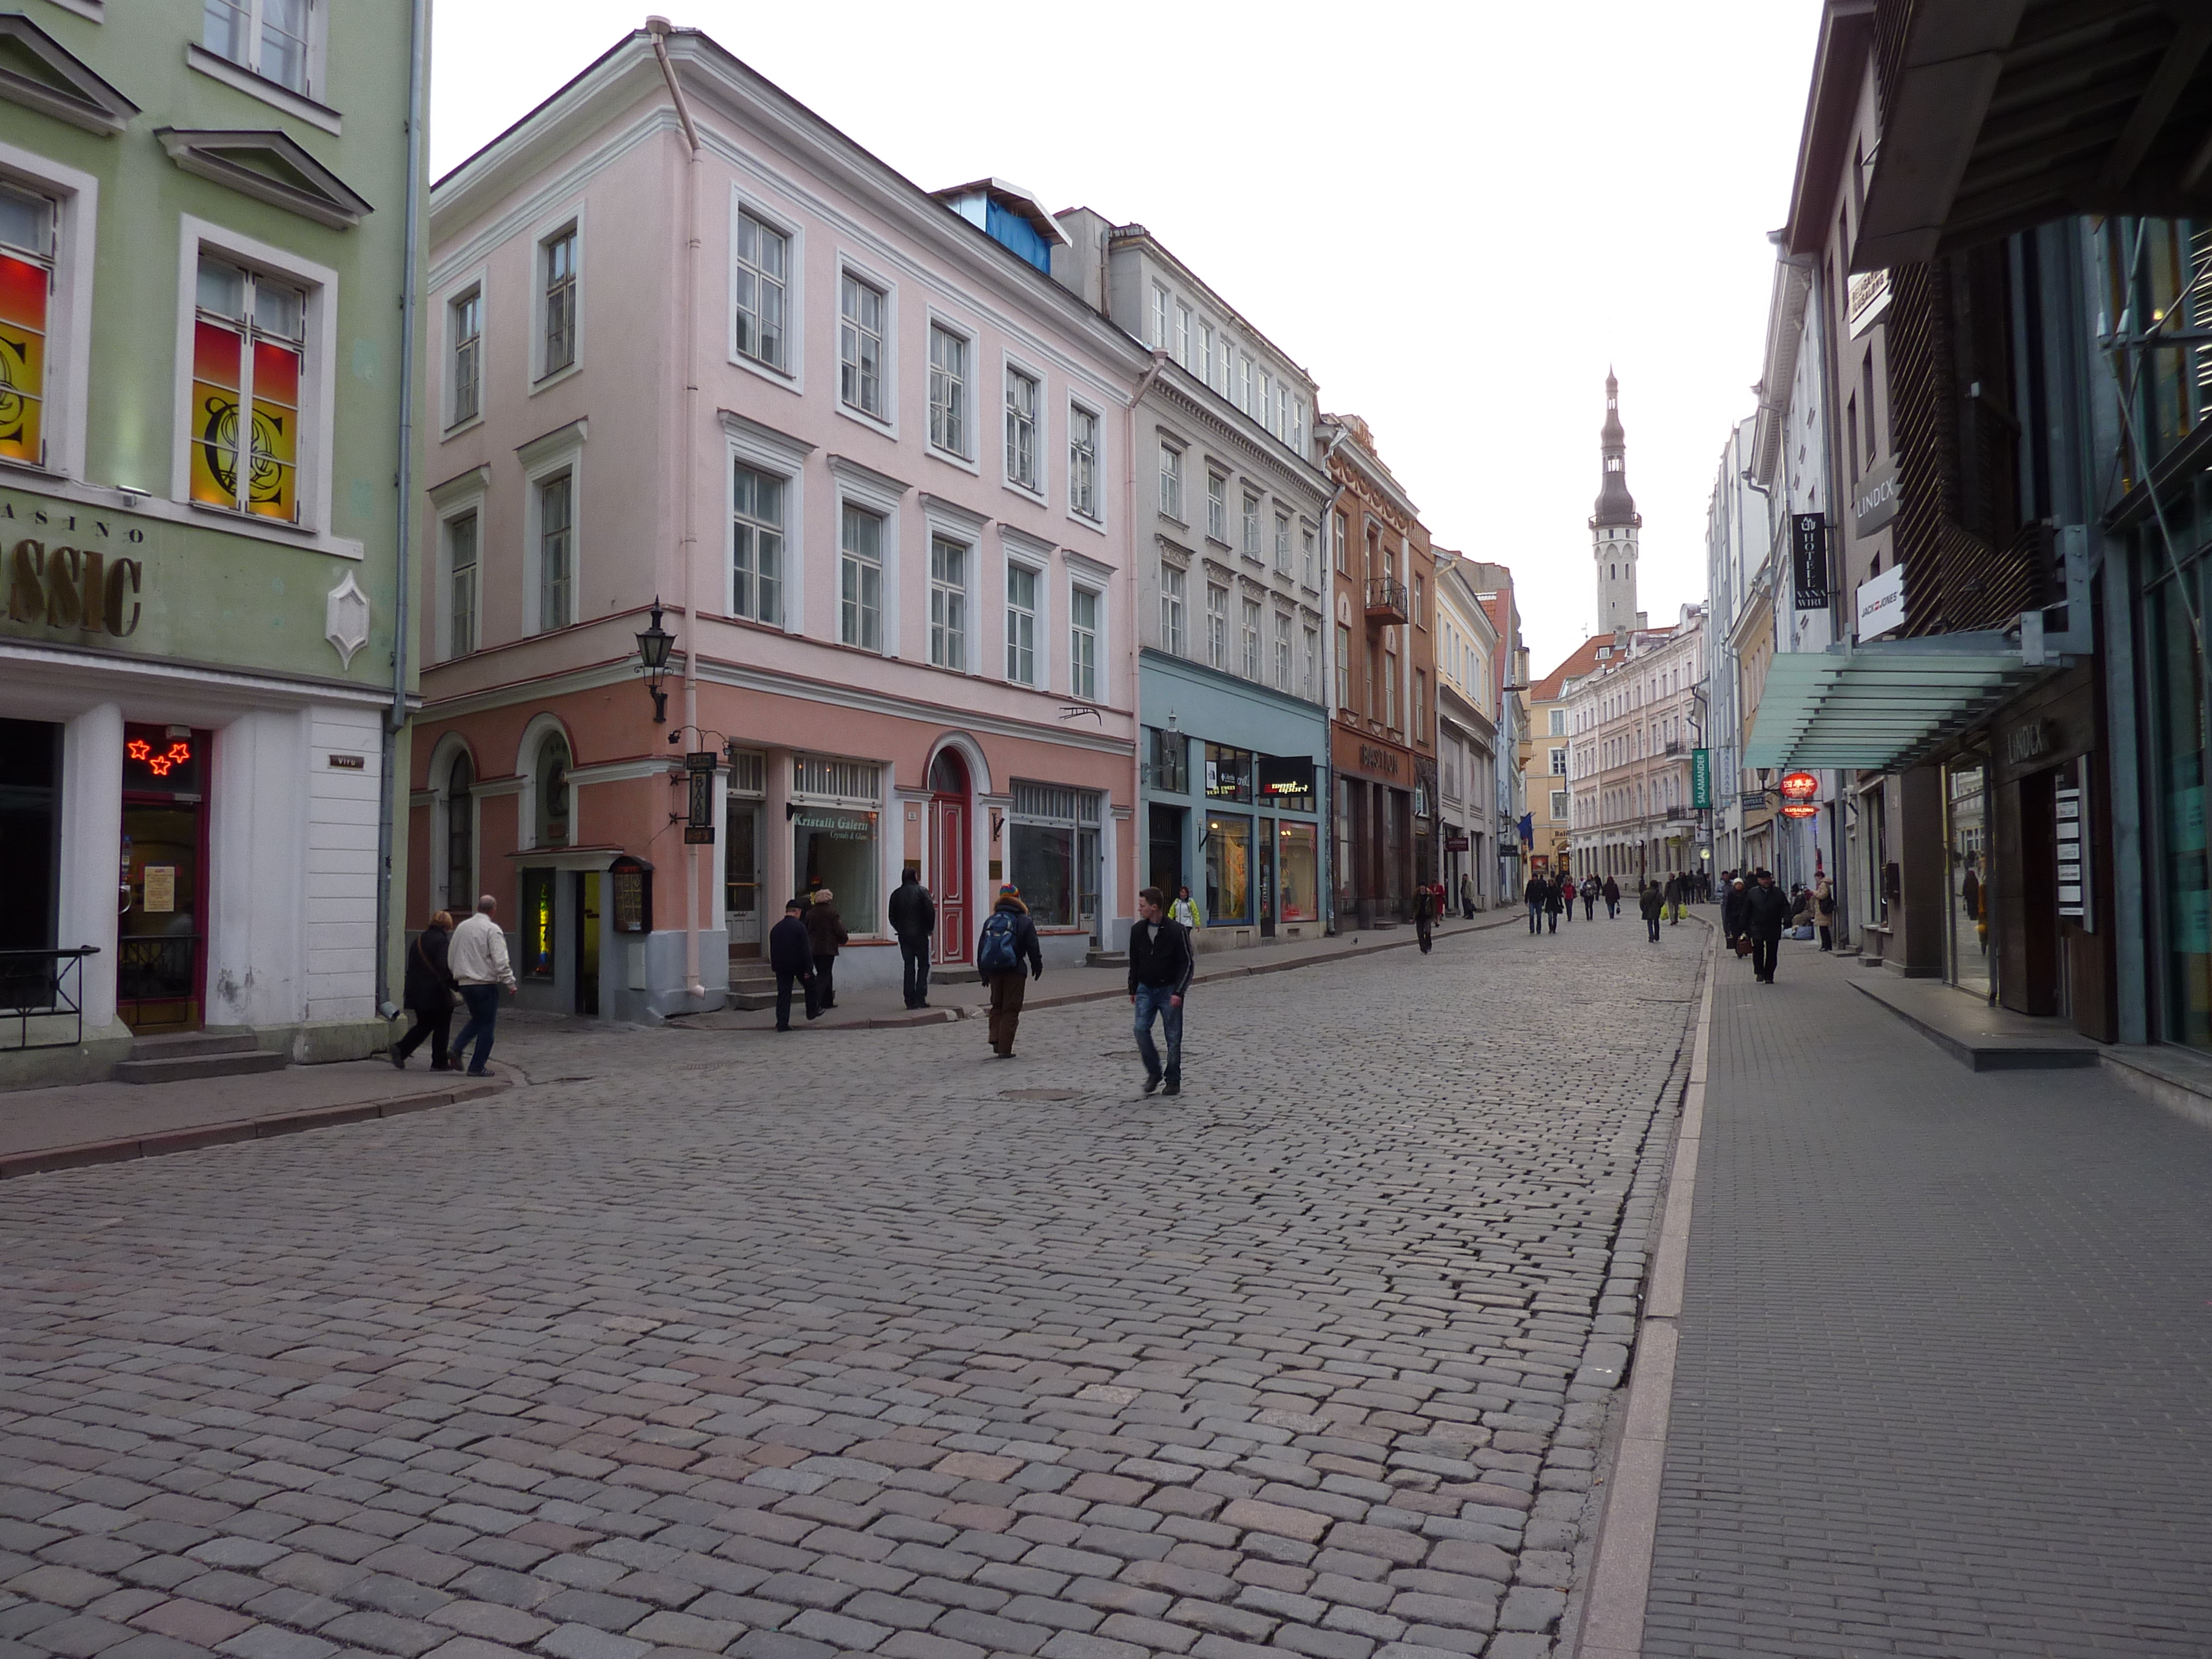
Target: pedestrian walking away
(791, 956)
(1652, 901)
(1185, 910)
(1467, 897)
(1533, 894)
(1824, 907)
(825, 931)
(1589, 898)
(429, 993)
(477, 958)
(1161, 961)
(1008, 957)
(1612, 890)
(1732, 904)
(1673, 901)
(913, 918)
(1552, 904)
(1766, 911)
(1566, 886)
(1425, 924)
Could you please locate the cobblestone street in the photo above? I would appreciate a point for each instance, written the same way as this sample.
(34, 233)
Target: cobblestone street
(898, 1349)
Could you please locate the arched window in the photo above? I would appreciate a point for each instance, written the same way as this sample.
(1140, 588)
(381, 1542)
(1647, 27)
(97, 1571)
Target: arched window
(460, 837)
(947, 777)
(553, 790)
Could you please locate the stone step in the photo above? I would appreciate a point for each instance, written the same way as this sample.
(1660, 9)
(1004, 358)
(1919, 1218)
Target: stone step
(181, 1043)
(752, 1002)
(180, 1067)
(1097, 959)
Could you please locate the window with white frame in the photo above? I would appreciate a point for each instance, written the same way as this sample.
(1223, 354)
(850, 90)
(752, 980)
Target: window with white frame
(860, 578)
(1282, 650)
(1083, 643)
(462, 533)
(249, 351)
(1251, 539)
(1559, 762)
(556, 551)
(1298, 424)
(269, 37)
(1175, 590)
(1252, 639)
(948, 390)
(1083, 460)
(464, 327)
(1309, 676)
(1021, 624)
(1217, 625)
(763, 278)
(1340, 540)
(861, 318)
(1161, 300)
(556, 269)
(27, 257)
(1182, 334)
(1022, 428)
(1217, 506)
(1244, 383)
(1171, 480)
(1282, 543)
(1309, 563)
(1343, 667)
(948, 602)
(757, 546)
(1205, 353)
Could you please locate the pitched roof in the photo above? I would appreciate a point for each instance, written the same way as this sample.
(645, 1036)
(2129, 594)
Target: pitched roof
(1580, 661)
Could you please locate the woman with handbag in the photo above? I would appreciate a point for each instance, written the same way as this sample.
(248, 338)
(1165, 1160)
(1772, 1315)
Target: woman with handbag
(429, 993)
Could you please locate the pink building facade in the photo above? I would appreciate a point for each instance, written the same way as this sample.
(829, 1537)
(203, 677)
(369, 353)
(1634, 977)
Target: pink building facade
(873, 463)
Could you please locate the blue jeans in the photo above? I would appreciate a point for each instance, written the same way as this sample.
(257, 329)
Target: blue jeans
(1159, 1000)
(483, 1002)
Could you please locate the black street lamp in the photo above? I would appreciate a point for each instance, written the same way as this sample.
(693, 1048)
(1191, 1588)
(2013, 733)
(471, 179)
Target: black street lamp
(653, 644)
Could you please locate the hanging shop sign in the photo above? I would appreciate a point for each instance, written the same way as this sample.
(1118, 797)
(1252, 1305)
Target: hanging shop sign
(1287, 777)
(1800, 808)
(1881, 604)
(1800, 786)
(1876, 498)
(1701, 779)
(1808, 560)
(2070, 803)
(1456, 843)
(699, 821)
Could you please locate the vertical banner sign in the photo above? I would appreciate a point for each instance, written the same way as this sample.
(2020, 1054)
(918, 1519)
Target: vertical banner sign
(1808, 562)
(2073, 838)
(1701, 780)
(699, 825)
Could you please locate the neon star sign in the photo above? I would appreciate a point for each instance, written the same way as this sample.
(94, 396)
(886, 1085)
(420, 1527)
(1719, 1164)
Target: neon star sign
(162, 764)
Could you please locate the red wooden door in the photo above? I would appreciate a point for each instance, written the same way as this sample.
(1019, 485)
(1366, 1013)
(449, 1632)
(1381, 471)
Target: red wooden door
(948, 875)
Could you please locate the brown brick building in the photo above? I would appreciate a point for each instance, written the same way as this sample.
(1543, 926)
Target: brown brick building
(1383, 734)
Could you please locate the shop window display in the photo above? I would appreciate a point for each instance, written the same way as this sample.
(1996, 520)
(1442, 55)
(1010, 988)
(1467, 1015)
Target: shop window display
(1228, 868)
(1297, 883)
(835, 847)
(1052, 844)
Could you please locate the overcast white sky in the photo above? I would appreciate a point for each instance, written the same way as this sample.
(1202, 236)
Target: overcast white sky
(1454, 215)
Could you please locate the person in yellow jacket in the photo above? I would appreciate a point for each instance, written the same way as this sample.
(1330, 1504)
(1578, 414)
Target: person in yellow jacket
(1186, 910)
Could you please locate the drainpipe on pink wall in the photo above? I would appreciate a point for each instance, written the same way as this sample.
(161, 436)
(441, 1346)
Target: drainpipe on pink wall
(1137, 830)
(659, 27)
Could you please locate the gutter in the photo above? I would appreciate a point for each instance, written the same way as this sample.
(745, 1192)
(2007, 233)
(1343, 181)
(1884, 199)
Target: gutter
(1137, 830)
(395, 719)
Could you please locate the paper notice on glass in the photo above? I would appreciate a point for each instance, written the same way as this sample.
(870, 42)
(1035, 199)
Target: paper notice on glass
(161, 889)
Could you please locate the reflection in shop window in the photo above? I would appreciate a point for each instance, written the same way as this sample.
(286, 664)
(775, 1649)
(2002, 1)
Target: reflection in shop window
(536, 924)
(1228, 869)
(836, 847)
(1297, 883)
(1053, 836)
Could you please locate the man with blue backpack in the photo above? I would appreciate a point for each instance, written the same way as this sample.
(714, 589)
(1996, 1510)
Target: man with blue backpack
(1007, 957)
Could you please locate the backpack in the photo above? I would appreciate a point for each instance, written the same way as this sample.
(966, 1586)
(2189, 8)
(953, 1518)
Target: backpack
(994, 952)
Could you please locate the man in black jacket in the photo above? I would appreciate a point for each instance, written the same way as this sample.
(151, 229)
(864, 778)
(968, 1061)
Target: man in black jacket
(913, 918)
(791, 954)
(1533, 895)
(1160, 966)
(1766, 911)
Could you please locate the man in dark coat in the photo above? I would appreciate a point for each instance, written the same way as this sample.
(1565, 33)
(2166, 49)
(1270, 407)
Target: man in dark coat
(1766, 914)
(428, 994)
(1652, 902)
(1160, 966)
(1007, 957)
(1552, 902)
(825, 931)
(1533, 895)
(791, 954)
(913, 918)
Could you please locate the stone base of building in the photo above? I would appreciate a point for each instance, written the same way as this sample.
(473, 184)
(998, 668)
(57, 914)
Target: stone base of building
(93, 1059)
(1211, 938)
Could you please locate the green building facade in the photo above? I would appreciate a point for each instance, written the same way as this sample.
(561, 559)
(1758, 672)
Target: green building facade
(203, 259)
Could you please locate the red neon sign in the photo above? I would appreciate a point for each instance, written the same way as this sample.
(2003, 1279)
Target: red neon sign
(161, 765)
(1800, 786)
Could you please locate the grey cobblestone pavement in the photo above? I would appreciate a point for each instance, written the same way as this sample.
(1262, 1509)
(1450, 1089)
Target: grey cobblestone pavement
(884, 1346)
(1945, 1377)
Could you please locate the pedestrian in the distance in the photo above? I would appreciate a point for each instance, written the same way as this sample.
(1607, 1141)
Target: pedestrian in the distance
(1185, 910)
(913, 918)
(476, 957)
(1161, 961)
(791, 954)
(1465, 898)
(1824, 907)
(1612, 892)
(1653, 903)
(1765, 913)
(825, 931)
(1533, 895)
(1732, 903)
(1589, 898)
(429, 993)
(1673, 894)
(1552, 904)
(1008, 956)
(1425, 923)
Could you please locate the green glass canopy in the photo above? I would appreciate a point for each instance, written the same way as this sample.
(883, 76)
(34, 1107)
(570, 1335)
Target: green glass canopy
(1880, 705)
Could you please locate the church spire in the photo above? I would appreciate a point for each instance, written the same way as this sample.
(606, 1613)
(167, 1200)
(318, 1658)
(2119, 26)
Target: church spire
(1615, 524)
(1615, 506)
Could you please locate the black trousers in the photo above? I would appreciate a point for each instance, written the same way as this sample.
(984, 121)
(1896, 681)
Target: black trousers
(914, 954)
(824, 990)
(1651, 927)
(1763, 954)
(783, 983)
(435, 1024)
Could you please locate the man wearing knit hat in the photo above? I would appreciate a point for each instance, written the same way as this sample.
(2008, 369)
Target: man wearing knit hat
(1007, 957)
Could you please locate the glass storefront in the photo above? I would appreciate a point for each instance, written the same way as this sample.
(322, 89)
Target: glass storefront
(835, 847)
(1053, 839)
(1297, 879)
(2177, 735)
(1228, 868)
(1967, 959)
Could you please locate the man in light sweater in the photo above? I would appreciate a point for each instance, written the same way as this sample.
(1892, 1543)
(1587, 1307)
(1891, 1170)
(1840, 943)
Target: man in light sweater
(477, 958)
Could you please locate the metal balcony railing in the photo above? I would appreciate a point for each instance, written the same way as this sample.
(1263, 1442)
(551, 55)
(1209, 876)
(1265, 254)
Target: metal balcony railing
(47, 986)
(1386, 601)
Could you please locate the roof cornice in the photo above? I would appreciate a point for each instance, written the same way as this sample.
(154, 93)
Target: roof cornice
(1838, 66)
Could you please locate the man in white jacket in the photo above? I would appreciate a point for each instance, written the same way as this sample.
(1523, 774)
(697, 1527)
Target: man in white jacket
(477, 958)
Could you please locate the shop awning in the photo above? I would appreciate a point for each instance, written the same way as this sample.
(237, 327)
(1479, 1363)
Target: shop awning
(1884, 704)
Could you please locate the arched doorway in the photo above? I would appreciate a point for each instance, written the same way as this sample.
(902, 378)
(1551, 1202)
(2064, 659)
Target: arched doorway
(950, 814)
(460, 837)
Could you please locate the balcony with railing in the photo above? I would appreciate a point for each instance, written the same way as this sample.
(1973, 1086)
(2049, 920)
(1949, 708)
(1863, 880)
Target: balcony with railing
(1386, 601)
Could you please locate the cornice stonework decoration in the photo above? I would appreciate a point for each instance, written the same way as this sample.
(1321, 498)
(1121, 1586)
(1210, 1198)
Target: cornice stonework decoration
(345, 620)
(269, 166)
(39, 72)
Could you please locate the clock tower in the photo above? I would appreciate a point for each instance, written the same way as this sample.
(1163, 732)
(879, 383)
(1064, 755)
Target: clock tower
(1615, 524)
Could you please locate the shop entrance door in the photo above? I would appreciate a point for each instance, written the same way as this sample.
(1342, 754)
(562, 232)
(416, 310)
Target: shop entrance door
(1165, 869)
(160, 969)
(587, 942)
(1267, 879)
(741, 878)
(948, 859)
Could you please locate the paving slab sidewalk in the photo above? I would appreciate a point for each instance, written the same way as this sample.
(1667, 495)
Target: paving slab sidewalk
(110, 1122)
(1944, 1383)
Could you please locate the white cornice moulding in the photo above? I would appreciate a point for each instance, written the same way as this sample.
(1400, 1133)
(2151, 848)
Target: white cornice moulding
(460, 487)
(85, 98)
(965, 519)
(853, 472)
(792, 450)
(547, 445)
(321, 195)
